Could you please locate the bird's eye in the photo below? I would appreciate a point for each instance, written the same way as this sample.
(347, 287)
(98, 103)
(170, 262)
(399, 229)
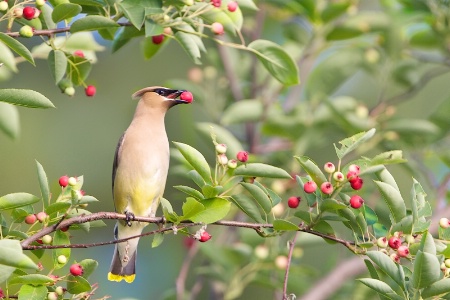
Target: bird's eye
(159, 92)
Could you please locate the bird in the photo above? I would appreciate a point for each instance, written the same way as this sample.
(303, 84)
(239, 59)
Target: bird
(139, 175)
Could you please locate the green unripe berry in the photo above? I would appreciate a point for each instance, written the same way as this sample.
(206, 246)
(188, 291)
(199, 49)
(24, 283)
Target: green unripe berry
(62, 259)
(69, 91)
(59, 290)
(72, 181)
(26, 31)
(47, 239)
(3, 6)
(52, 296)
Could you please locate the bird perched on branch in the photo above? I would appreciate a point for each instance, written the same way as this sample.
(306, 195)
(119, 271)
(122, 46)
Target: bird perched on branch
(140, 169)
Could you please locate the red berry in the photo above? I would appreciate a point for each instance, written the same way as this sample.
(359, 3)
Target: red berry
(76, 270)
(242, 156)
(357, 184)
(395, 258)
(354, 168)
(41, 216)
(232, 6)
(293, 201)
(310, 187)
(30, 219)
(216, 3)
(158, 39)
(28, 12)
(403, 251)
(90, 90)
(394, 242)
(205, 237)
(356, 201)
(326, 188)
(187, 97)
(352, 176)
(217, 28)
(64, 229)
(78, 53)
(64, 180)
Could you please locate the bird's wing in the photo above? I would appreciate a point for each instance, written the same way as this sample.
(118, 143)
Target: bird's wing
(116, 159)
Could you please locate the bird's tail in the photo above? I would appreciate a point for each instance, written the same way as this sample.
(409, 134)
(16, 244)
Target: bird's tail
(118, 272)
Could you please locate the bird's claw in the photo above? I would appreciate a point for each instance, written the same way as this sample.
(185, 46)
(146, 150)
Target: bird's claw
(129, 216)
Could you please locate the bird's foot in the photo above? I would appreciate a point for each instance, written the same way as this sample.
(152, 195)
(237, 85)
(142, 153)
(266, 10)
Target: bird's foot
(129, 216)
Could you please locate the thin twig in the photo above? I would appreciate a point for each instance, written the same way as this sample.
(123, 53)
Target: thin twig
(286, 274)
(184, 271)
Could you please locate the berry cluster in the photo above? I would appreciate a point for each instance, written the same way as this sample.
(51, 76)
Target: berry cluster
(327, 187)
(223, 160)
(397, 246)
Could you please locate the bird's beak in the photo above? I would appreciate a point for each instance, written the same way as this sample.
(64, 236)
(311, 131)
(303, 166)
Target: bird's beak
(175, 96)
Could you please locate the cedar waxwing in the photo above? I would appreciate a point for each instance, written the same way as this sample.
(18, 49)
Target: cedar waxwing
(139, 175)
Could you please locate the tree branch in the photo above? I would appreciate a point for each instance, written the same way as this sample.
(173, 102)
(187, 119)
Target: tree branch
(26, 244)
(286, 274)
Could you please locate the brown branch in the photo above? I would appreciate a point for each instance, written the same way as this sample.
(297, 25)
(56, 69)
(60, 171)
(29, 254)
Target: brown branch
(184, 271)
(26, 244)
(50, 32)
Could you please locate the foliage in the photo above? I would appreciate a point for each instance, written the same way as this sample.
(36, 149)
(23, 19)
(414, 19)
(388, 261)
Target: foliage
(393, 53)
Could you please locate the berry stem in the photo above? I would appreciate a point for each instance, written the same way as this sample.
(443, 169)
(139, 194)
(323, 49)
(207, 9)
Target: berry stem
(286, 274)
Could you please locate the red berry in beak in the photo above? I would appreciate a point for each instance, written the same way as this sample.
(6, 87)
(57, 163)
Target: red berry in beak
(187, 97)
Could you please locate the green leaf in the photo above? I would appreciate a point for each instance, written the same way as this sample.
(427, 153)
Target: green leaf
(261, 170)
(11, 255)
(385, 263)
(158, 238)
(394, 201)
(259, 195)
(33, 279)
(215, 209)
(77, 284)
(9, 120)
(17, 200)
(57, 61)
(284, 225)
(248, 206)
(427, 244)
(5, 272)
(191, 207)
(196, 160)
(331, 205)
(438, 288)
(168, 212)
(405, 225)
(46, 17)
(196, 178)
(243, 111)
(7, 58)
(65, 11)
(90, 23)
(43, 184)
(27, 98)
(124, 36)
(230, 24)
(57, 207)
(370, 215)
(60, 238)
(189, 191)
(312, 169)
(379, 286)
(389, 157)
(351, 143)
(135, 10)
(325, 228)
(426, 270)
(277, 61)
(17, 47)
(307, 217)
(29, 292)
(379, 230)
(385, 176)
(188, 43)
(210, 191)
(152, 28)
(89, 266)
(78, 70)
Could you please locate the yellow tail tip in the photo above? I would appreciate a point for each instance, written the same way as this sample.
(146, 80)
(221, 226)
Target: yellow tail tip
(119, 278)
